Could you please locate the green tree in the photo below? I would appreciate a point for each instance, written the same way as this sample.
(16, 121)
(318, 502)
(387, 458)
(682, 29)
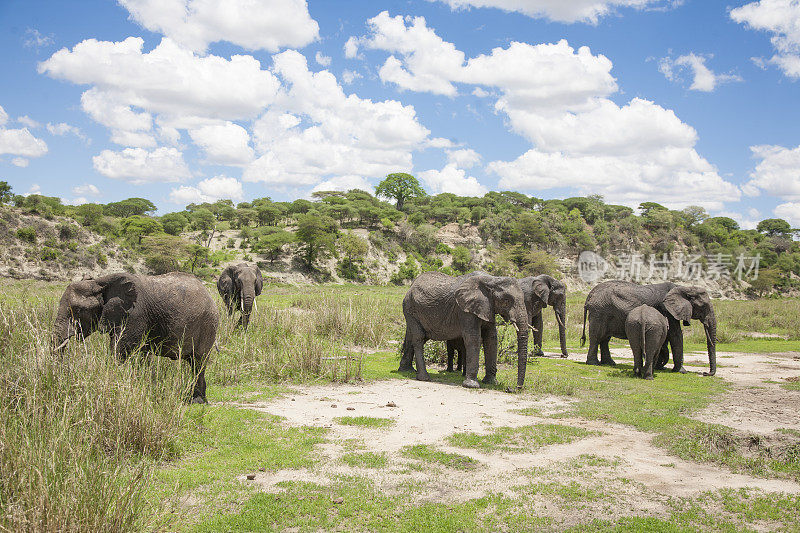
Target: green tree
(315, 236)
(462, 259)
(90, 214)
(130, 207)
(198, 256)
(272, 244)
(174, 223)
(5, 192)
(401, 187)
(138, 226)
(774, 227)
(353, 247)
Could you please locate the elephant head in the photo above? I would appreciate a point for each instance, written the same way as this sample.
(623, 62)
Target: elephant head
(686, 303)
(93, 304)
(544, 290)
(485, 296)
(239, 285)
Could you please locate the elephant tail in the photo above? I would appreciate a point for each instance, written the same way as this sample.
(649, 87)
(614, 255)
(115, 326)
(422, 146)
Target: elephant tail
(583, 335)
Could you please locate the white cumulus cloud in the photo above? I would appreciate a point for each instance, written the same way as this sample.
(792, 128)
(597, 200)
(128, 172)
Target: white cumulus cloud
(781, 19)
(87, 189)
(557, 97)
(453, 180)
(139, 166)
(19, 142)
(790, 212)
(777, 173)
(322, 59)
(20, 162)
(208, 190)
(343, 183)
(225, 143)
(464, 158)
(251, 24)
(62, 128)
(589, 11)
(703, 78)
(315, 132)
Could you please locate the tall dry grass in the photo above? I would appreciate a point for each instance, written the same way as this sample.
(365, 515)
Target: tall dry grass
(318, 336)
(80, 435)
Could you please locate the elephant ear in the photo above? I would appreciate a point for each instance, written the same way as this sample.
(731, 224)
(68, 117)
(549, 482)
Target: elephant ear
(472, 296)
(119, 296)
(541, 290)
(225, 282)
(259, 280)
(678, 306)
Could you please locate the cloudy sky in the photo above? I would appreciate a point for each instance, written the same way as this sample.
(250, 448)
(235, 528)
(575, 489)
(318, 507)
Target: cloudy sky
(676, 101)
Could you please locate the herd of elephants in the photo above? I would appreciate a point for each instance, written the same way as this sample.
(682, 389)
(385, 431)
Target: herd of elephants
(175, 316)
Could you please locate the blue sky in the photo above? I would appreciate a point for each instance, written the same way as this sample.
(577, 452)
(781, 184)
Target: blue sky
(682, 103)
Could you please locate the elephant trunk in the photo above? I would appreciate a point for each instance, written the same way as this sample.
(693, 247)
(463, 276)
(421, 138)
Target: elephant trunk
(520, 322)
(522, 357)
(62, 332)
(248, 297)
(561, 318)
(710, 326)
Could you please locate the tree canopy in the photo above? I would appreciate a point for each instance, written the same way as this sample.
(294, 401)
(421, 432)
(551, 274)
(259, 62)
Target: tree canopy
(401, 187)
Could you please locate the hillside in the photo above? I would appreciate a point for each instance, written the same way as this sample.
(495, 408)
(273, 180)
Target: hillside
(356, 237)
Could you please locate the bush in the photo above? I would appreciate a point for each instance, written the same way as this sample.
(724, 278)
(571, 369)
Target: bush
(102, 260)
(49, 254)
(27, 234)
(442, 248)
(462, 259)
(68, 231)
(408, 271)
(350, 270)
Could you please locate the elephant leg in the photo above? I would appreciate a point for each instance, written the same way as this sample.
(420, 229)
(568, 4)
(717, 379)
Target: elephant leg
(652, 349)
(676, 343)
(489, 334)
(605, 353)
(594, 341)
(407, 354)
(472, 343)
(538, 325)
(636, 348)
(199, 373)
(450, 353)
(662, 358)
(419, 357)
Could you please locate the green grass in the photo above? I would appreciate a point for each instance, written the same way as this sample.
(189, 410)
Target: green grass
(365, 459)
(430, 454)
(364, 421)
(519, 440)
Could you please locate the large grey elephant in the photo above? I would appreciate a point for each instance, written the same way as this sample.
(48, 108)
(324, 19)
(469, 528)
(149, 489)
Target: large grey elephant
(541, 291)
(172, 315)
(239, 285)
(441, 307)
(608, 304)
(647, 331)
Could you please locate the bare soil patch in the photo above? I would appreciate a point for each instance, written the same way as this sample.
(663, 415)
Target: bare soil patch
(619, 468)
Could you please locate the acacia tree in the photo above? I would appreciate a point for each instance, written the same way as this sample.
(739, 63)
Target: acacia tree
(401, 187)
(315, 235)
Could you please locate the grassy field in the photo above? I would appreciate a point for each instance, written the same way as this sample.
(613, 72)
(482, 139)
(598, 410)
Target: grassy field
(87, 444)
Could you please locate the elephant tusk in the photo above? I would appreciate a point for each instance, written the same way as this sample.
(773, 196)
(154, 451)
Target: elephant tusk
(533, 328)
(255, 303)
(61, 345)
(241, 304)
(515, 327)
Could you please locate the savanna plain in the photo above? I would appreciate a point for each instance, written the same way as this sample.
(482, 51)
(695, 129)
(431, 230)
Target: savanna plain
(311, 427)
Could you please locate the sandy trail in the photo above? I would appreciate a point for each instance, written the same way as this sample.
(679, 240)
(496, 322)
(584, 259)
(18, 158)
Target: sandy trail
(428, 413)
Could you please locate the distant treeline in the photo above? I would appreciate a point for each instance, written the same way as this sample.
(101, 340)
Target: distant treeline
(521, 233)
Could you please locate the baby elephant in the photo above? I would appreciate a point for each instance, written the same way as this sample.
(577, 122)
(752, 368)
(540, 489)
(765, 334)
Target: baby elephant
(646, 329)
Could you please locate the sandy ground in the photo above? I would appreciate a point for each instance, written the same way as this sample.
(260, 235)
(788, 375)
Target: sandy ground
(427, 413)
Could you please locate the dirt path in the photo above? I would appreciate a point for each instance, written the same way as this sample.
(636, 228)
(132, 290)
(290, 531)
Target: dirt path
(619, 463)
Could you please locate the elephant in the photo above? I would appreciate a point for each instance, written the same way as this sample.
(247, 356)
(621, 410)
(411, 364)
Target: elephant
(442, 307)
(647, 331)
(453, 346)
(172, 315)
(608, 304)
(541, 291)
(239, 285)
